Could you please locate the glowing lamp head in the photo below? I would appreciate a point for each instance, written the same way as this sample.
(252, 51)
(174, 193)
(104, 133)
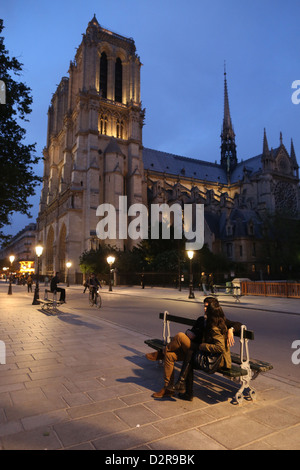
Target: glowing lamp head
(190, 254)
(39, 250)
(110, 259)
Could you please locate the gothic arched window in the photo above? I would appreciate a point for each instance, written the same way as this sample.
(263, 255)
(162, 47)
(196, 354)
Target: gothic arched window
(120, 129)
(103, 124)
(118, 80)
(103, 75)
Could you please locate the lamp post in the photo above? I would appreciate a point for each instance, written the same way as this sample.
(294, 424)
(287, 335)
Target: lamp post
(191, 292)
(110, 260)
(38, 252)
(11, 259)
(68, 264)
(179, 269)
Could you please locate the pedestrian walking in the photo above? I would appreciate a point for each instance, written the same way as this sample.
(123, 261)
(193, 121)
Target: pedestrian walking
(203, 282)
(29, 284)
(211, 282)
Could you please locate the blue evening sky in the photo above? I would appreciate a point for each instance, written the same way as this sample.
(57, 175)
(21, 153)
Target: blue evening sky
(183, 46)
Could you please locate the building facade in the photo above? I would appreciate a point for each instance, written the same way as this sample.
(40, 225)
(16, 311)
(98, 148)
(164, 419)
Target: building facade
(22, 247)
(94, 154)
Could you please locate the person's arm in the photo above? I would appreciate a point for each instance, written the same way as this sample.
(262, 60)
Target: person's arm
(197, 330)
(234, 324)
(233, 327)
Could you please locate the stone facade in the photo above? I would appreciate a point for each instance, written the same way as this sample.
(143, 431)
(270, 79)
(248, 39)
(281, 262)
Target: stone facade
(94, 146)
(94, 154)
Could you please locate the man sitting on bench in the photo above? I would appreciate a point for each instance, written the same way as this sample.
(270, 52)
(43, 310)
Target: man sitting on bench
(53, 287)
(181, 348)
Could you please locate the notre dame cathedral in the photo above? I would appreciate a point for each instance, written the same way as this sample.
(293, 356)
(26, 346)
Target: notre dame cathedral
(94, 154)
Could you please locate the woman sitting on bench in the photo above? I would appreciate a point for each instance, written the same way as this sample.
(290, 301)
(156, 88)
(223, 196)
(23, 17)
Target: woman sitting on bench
(211, 332)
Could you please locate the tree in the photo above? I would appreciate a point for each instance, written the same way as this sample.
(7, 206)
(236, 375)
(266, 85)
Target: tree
(281, 245)
(96, 260)
(17, 177)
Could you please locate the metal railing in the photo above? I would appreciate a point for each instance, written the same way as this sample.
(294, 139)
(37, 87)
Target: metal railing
(269, 288)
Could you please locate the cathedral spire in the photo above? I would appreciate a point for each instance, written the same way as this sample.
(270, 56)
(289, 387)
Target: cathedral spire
(228, 146)
(267, 158)
(293, 157)
(227, 119)
(266, 150)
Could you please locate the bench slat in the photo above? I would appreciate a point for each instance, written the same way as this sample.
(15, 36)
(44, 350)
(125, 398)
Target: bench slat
(255, 364)
(235, 371)
(155, 343)
(176, 319)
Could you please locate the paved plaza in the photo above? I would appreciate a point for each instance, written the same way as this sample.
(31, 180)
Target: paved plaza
(76, 381)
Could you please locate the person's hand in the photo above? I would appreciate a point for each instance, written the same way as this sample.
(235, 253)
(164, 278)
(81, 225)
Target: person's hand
(230, 338)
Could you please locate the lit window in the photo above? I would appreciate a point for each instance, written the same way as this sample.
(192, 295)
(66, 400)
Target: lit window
(120, 129)
(103, 124)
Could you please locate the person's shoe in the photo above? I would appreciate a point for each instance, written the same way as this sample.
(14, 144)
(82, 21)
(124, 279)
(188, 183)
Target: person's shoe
(155, 356)
(164, 392)
(178, 387)
(185, 396)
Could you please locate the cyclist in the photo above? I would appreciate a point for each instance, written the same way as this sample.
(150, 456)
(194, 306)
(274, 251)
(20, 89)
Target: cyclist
(93, 285)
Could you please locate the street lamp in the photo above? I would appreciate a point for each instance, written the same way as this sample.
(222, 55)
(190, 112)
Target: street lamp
(11, 259)
(191, 292)
(110, 260)
(68, 264)
(38, 252)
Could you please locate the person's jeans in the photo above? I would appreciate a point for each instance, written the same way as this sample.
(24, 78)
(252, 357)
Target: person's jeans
(175, 351)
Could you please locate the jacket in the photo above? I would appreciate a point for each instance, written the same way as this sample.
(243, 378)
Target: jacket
(215, 343)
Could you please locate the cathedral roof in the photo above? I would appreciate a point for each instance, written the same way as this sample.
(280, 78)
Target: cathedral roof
(162, 162)
(113, 147)
(239, 219)
(252, 165)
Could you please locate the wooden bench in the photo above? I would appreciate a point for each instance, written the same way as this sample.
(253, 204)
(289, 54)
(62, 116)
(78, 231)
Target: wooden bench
(243, 369)
(232, 291)
(50, 305)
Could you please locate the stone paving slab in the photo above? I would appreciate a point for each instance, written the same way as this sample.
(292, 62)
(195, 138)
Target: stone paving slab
(73, 381)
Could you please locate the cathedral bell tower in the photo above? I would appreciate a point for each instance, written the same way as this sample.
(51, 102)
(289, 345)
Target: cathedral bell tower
(93, 153)
(228, 146)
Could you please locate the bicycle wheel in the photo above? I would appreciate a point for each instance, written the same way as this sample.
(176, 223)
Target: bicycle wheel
(91, 300)
(98, 301)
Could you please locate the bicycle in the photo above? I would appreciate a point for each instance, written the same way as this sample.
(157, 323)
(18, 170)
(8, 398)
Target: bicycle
(96, 299)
